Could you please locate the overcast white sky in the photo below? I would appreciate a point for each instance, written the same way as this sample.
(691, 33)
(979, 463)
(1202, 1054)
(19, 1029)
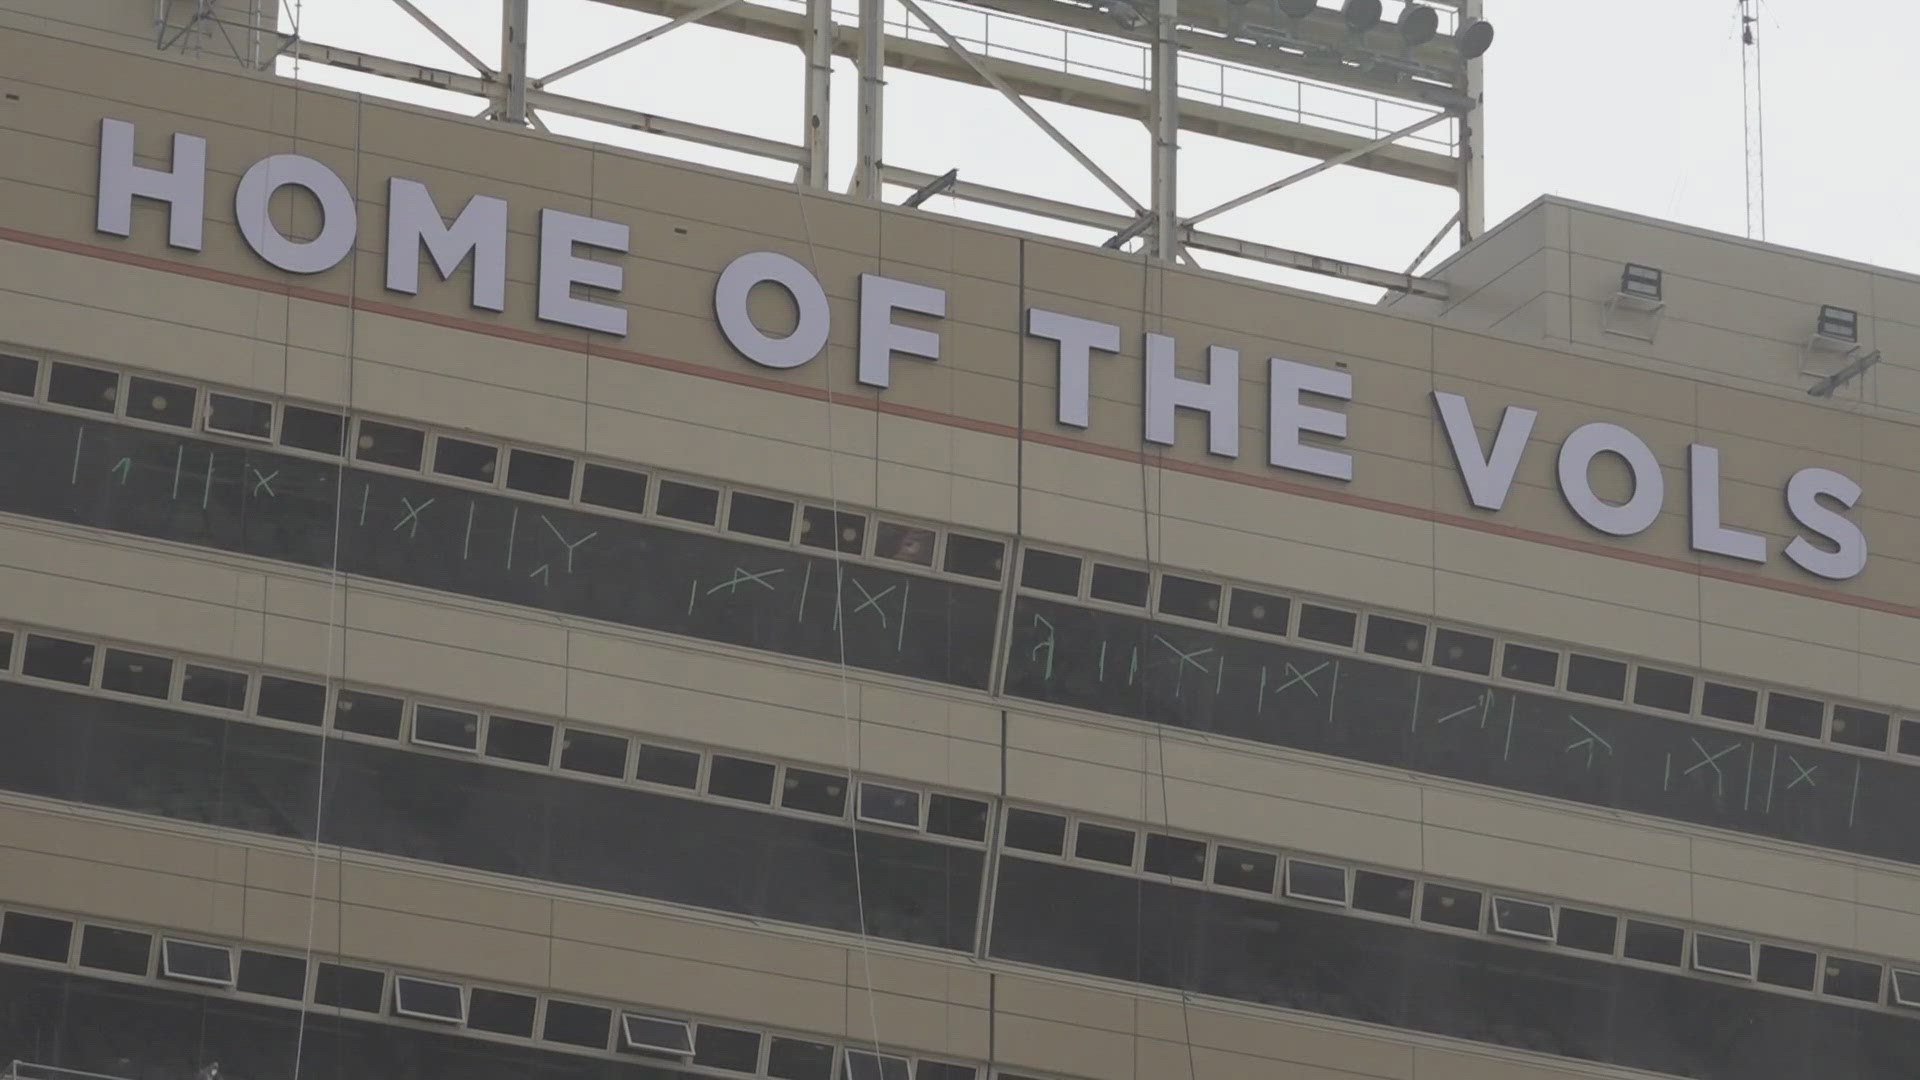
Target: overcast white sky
(1627, 103)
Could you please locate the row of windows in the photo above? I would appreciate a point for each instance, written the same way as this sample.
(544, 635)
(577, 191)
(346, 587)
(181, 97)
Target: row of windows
(445, 726)
(216, 967)
(1318, 881)
(469, 459)
(1397, 638)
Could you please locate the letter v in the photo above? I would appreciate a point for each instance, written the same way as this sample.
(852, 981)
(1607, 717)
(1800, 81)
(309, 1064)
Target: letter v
(1488, 477)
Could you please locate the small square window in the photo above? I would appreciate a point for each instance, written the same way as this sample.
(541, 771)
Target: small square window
(1031, 830)
(58, 659)
(688, 502)
(428, 999)
(667, 765)
(83, 387)
(191, 961)
(313, 429)
(1864, 728)
(1735, 704)
(1050, 571)
(1596, 677)
(1260, 612)
(797, 1059)
(1104, 843)
(1316, 881)
(466, 460)
(272, 975)
(527, 741)
(757, 515)
(1175, 856)
(615, 489)
(1654, 943)
(1795, 715)
(1119, 585)
(1522, 918)
(215, 688)
(904, 543)
(814, 792)
(1657, 689)
(454, 729)
(1189, 599)
(738, 778)
(1445, 905)
(389, 444)
(245, 417)
(18, 375)
(137, 673)
(1239, 868)
(36, 937)
(732, 1049)
(1397, 638)
(863, 1065)
(500, 1012)
(110, 949)
(1383, 894)
(593, 753)
(1906, 988)
(368, 714)
(1588, 931)
(346, 987)
(1857, 980)
(823, 528)
(1792, 968)
(540, 474)
(1528, 664)
(657, 1034)
(951, 815)
(160, 402)
(1329, 625)
(575, 1024)
(1457, 650)
(1723, 956)
(886, 805)
(291, 699)
(975, 557)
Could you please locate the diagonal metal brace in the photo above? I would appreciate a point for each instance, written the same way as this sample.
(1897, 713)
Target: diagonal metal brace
(446, 39)
(1320, 167)
(934, 187)
(678, 21)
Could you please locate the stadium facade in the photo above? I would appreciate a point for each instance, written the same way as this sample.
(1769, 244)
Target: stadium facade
(477, 603)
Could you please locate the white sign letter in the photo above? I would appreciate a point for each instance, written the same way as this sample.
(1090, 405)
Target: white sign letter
(1078, 338)
(730, 304)
(1288, 417)
(561, 270)
(1218, 397)
(1703, 481)
(881, 337)
(481, 229)
(1488, 478)
(183, 189)
(1649, 487)
(338, 218)
(1849, 556)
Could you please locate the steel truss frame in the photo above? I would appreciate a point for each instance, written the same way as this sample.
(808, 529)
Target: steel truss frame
(1317, 52)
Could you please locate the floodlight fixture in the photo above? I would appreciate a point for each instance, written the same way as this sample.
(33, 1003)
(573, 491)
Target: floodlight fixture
(1419, 24)
(1838, 323)
(1295, 9)
(1641, 282)
(1474, 39)
(1361, 15)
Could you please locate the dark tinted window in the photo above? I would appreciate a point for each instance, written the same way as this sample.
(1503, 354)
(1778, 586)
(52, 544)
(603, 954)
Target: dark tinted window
(1728, 956)
(1383, 894)
(1445, 905)
(273, 975)
(368, 714)
(6, 649)
(865, 1065)
(1326, 624)
(757, 515)
(892, 805)
(1653, 942)
(1860, 727)
(1528, 664)
(1735, 703)
(1119, 585)
(439, 726)
(389, 444)
(1906, 988)
(58, 659)
(906, 543)
(427, 999)
(592, 752)
(467, 460)
(1794, 715)
(312, 429)
(576, 1024)
(526, 741)
(1596, 677)
(1667, 690)
(1189, 598)
(1523, 918)
(941, 1070)
(1458, 650)
(1175, 856)
(617, 489)
(1589, 931)
(688, 502)
(1909, 737)
(348, 987)
(951, 815)
(111, 949)
(215, 687)
(1397, 638)
(667, 765)
(975, 556)
(1855, 979)
(83, 387)
(1103, 843)
(726, 1048)
(1316, 881)
(1051, 571)
(655, 1034)
(1243, 869)
(738, 778)
(794, 1059)
(1781, 966)
(291, 699)
(160, 402)
(35, 936)
(540, 474)
(1264, 612)
(500, 1012)
(1031, 830)
(239, 416)
(18, 375)
(195, 962)
(822, 528)
(813, 792)
(137, 673)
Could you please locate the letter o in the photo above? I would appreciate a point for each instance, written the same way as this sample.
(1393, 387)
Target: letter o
(1649, 486)
(730, 303)
(338, 220)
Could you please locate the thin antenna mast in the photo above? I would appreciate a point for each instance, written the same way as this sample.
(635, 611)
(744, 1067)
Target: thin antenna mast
(1754, 108)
